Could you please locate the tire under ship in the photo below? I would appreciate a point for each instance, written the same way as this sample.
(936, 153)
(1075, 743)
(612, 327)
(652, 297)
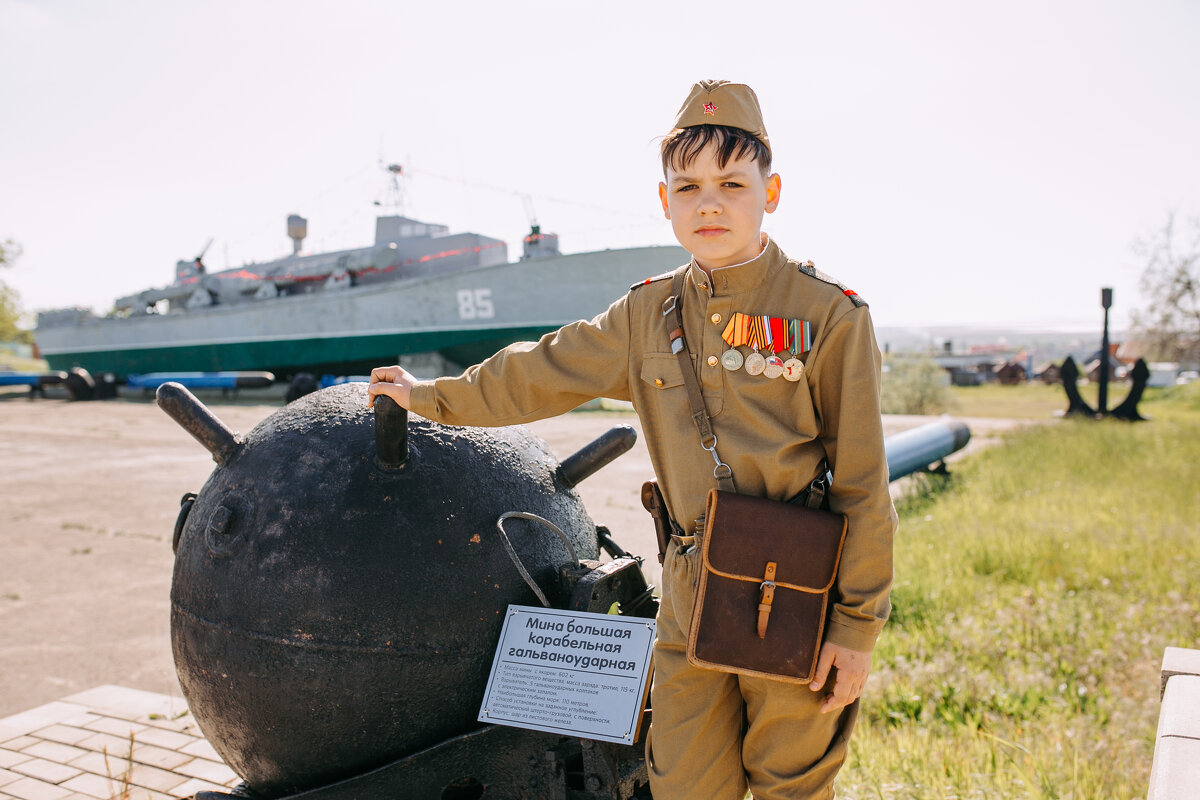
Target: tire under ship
(419, 289)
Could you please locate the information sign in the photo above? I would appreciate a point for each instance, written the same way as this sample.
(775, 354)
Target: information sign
(570, 672)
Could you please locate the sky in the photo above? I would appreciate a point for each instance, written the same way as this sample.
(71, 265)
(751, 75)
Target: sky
(956, 163)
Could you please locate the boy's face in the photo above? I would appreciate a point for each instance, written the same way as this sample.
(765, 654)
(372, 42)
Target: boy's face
(716, 213)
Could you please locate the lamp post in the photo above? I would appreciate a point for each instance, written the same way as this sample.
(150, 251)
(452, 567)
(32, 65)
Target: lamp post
(1102, 404)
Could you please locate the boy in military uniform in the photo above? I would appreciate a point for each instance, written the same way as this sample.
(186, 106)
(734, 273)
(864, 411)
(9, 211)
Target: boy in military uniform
(779, 414)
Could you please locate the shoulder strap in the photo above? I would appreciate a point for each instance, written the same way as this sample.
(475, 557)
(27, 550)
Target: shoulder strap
(810, 269)
(648, 281)
(672, 309)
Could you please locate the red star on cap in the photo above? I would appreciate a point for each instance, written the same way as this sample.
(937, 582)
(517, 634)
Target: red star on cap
(710, 109)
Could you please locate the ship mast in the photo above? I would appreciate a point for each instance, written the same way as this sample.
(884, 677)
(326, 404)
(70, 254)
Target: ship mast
(394, 203)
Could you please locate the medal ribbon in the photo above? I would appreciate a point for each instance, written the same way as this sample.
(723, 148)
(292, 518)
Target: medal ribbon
(768, 334)
(801, 335)
(778, 326)
(735, 332)
(757, 336)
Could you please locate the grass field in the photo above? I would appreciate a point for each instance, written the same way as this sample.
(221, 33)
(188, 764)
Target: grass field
(1026, 400)
(1035, 591)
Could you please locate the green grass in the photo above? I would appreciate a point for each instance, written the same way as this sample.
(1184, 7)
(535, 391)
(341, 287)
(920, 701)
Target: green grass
(1035, 591)
(1037, 400)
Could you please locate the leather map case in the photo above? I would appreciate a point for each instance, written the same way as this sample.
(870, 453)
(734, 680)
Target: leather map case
(767, 570)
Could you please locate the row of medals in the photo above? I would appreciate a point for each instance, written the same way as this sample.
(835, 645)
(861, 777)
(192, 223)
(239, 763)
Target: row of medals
(756, 363)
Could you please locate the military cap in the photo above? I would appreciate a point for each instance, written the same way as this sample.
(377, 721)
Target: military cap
(723, 103)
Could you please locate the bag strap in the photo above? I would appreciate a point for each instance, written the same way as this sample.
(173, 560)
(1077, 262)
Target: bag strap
(672, 312)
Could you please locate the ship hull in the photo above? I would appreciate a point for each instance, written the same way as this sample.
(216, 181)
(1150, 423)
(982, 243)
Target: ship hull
(463, 315)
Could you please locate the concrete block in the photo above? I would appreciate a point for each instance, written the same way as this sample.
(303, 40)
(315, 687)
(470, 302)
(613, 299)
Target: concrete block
(45, 770)
(8, 777)
(207, 770)
(1176, 774)
(124, 703)
(64, 734)
(93, 786)
(115, 727)
(98, 763)
(114, 746)
(201, 748)
(53, 751)
(1178, 661)
(37, 718)
(33, 789)
(147, 777)
(161, 737)
(196, 785)
(82, 720)
(158, 756)
(1180, 712)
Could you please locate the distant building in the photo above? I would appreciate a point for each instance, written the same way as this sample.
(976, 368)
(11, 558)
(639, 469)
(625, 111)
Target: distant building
(1117, 370)
(1050, 373)
(1012, 373)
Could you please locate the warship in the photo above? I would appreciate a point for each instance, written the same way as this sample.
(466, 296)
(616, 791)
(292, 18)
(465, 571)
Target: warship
(418, 295)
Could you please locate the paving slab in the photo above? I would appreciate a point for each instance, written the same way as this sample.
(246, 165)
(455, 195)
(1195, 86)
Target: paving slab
(106, 742)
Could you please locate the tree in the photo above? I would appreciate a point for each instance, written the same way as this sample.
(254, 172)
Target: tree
(10, 251)
(1169, 325)
(915, 386)
(10, 301)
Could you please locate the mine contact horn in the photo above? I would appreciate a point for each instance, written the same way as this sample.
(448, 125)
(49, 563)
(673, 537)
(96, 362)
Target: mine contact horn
(391, 433)
(596, 454)
(195, 418)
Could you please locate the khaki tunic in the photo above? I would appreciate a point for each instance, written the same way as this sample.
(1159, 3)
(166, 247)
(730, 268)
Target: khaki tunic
(773, 433)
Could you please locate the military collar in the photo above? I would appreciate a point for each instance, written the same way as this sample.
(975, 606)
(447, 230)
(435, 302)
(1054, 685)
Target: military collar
(738, 278)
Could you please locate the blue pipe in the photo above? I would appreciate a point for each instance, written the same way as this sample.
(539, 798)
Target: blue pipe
(913, 450)
(203, 380)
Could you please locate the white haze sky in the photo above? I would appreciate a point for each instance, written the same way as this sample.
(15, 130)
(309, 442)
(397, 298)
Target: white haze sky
(954, 162)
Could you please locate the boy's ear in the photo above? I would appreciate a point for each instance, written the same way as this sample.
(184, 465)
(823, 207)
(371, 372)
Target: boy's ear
(774, 186)
(662, 196)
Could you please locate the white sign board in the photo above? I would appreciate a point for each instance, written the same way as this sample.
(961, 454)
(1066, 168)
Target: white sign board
(570, 672)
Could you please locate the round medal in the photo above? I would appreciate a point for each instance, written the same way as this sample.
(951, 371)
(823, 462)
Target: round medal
(793, 369)
(774, 367)
(732, 359)
(755, 363)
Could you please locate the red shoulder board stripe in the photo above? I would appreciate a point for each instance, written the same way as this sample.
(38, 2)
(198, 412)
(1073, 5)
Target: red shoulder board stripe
(652, 279)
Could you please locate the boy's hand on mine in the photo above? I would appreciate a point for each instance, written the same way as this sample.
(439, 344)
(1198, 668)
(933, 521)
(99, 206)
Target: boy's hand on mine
(394, 381)
(852, 668)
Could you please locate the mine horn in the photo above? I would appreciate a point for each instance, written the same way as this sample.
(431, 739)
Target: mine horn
(195, 418)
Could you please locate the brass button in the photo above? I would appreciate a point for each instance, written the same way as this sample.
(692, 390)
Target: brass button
(712, 361)
(658, 381)
(716, 318)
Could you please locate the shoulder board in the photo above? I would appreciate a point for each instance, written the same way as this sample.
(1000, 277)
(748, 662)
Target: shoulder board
(661, 277)
(810, 269)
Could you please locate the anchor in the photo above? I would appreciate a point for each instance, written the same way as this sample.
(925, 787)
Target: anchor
(1069, 372)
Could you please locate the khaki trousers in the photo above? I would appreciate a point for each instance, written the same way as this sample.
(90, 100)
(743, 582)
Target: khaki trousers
(715, 734)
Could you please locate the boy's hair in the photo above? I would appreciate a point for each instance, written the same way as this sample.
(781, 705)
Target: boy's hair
(681, 146)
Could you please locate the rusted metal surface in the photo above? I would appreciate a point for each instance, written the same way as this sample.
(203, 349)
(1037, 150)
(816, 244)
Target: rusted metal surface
(332, 615)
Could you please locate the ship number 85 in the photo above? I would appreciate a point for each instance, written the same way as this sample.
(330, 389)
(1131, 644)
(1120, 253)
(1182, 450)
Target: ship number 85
(475, 304)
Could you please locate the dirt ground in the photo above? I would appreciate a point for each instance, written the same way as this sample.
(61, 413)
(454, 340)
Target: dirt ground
(89, 494)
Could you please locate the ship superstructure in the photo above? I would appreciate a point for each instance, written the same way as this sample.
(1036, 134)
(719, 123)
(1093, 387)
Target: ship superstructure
(419, 288)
